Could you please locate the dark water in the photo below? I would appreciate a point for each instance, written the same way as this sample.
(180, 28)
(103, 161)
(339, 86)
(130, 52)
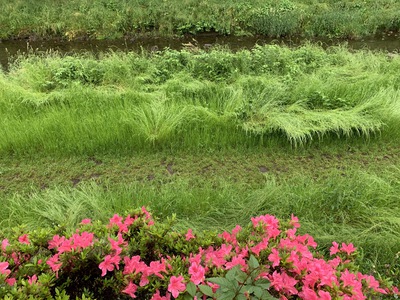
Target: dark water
(9, 49)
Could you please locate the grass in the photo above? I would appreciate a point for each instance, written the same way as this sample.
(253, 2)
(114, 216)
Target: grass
(186, 100)
(111, 19)
(213, 136)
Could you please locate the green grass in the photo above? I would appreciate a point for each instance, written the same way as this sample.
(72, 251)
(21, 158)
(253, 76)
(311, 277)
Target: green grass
(127, 103)
(111, 19)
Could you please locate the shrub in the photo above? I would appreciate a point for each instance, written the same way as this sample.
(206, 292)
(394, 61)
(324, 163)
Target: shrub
(134, 257)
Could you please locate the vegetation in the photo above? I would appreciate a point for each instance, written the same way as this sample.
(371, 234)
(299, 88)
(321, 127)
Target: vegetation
(213, 136)
(134, 256)
(275, 18)
(195, 100)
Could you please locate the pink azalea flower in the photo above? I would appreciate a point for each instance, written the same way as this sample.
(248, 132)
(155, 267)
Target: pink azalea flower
(54, 263)
(189, 235)
(133, 265)
(237, 260)
(283, 282)
(56, 241)
(176, 285)
(260, 246)
(334, 249)
(157, 296)
(115, 220)
(32, 280)
(4, 244)
(23, 239)
(11, 281)
(83, 240)
(348, 278)
(109, 263)
(86, 221)
(3, 268)
(156, 267)
(130, 289)
(197, 273)
(294, 221)
(274, 258)
(323, 295)
(348, 248)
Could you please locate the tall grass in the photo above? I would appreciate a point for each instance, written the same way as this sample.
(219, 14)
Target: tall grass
(191, 100)
(110, 19)
(352, 206)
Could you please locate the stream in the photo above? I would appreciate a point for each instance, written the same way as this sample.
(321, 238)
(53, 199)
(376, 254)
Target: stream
(12, 48)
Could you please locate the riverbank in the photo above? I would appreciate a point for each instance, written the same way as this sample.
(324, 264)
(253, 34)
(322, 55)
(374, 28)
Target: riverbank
(116, 19)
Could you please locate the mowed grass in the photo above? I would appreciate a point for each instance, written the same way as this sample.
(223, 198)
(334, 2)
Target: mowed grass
(275, 18)
(213, 136)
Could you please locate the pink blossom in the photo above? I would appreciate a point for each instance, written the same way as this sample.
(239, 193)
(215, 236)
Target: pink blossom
(56, 241)
(323, 295)
(32, 280)
(189, 235)
(3, 268)
(23, 239)
(130, 289)
(82, 241)
(115, 244)
(283, 282)
(156, 267)
(197, 273)
(294, 221)
(236, 260)
(334, 249)
(133, 265)
(86, 221)
(54, 263)
(260, 246)
(176, 285)
(109, 263)
(348, 248)
(11, 281)
(274, 257)
(157, 296)
(4, 244)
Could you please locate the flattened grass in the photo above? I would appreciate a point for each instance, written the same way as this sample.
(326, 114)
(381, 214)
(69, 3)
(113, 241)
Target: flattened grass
(195, 100)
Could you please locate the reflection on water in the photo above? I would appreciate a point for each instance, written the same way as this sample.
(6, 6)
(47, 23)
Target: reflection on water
(9, 49)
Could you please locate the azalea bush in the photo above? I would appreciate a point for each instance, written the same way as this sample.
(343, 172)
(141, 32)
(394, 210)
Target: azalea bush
(135, 257)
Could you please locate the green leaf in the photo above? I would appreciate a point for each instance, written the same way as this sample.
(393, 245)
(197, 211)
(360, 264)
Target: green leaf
(231, 273)
(191, 289)
(263, 283)
(241, 276)
(226, 296)
(253, 262)
(222, 282)
(206, 290)
(188, 297)
(241, 297)
(256, 291)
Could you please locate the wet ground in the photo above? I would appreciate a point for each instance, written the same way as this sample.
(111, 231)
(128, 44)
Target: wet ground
(8, 49)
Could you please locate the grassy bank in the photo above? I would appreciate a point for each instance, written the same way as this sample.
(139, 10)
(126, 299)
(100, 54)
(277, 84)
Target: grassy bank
(213, 136)
(111, 19)
(193, 100)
